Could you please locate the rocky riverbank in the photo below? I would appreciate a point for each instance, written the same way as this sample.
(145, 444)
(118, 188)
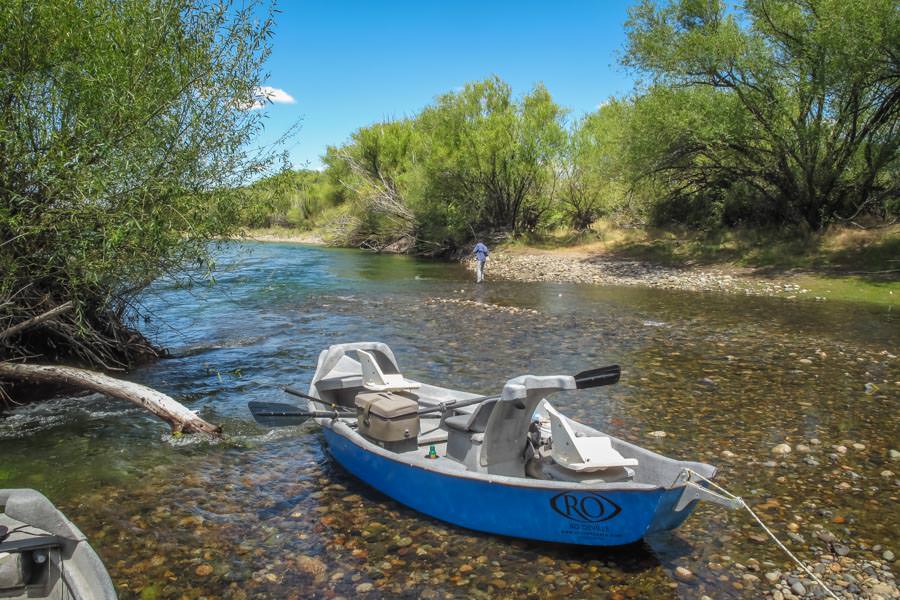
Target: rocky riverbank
(570, 267)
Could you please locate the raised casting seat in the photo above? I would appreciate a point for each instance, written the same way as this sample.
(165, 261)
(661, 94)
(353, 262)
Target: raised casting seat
(592, 453)
(373, 378)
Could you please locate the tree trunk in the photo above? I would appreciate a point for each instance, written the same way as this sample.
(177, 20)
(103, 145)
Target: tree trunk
(169, 410)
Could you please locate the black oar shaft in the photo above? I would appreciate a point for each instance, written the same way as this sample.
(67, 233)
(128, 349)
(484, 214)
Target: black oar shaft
(316, 414)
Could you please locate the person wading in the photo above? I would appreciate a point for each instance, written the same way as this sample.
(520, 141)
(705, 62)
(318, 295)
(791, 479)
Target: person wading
(481, 253)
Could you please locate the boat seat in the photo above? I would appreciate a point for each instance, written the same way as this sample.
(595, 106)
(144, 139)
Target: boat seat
(589, 453)
(373, 378)
(475, 421)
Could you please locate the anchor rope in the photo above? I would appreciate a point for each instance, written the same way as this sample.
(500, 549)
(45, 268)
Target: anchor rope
(784, 548)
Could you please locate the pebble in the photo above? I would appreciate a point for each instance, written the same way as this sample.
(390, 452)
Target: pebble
(887, 474)
(727, 454)
(894, 454)
(798, 588)
(203, 570)
(888, 556)
(311, 565)
(781, 449)
(364, 588)
(683, 574)
(803, 448)
(657, 434)
(773, 576)
(858, 446)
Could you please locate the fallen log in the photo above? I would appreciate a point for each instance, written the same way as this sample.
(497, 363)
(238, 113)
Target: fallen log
(166, 408)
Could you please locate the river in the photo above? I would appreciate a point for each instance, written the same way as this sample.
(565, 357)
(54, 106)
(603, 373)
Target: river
(269, 515)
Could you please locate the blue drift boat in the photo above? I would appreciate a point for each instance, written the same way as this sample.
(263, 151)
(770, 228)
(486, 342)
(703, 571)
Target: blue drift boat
(508, 464)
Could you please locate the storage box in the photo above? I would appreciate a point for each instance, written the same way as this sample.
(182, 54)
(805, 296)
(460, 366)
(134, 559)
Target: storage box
(389, 419)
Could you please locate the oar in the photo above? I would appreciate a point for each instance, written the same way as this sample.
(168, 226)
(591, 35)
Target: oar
(277, 414)
(586, 379)
(274, 413)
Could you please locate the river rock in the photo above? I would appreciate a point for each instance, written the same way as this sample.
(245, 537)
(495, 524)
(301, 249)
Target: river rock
(894, 454)
(311, 565)
(798, 588)
(888, 556)
(781, 449)
(657, 434)
(773, 576)
(683, 574)
(364, 588)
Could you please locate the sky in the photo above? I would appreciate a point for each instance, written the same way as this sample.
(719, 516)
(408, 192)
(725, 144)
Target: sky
(340, 65)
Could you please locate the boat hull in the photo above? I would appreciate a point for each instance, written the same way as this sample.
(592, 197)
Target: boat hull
(602, 517)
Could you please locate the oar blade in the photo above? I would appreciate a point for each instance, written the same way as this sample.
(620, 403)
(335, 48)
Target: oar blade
(597, 377)
(277, 414)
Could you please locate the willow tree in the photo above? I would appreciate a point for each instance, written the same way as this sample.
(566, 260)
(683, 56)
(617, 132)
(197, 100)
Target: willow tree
(814, 87)
(490, 155)
(125, 128)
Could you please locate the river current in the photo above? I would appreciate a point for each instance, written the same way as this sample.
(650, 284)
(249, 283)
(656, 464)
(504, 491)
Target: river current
(268, 514)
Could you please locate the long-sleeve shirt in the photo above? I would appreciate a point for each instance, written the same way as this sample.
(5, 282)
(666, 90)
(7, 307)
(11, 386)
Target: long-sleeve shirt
(480, 251)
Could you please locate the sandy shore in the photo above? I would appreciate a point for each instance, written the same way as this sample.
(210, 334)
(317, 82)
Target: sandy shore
(303, 237)
(579, 267)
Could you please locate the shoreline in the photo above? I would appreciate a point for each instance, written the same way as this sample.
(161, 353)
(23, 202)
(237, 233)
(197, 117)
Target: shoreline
(590, 266)
(601, 268)
(597, 269)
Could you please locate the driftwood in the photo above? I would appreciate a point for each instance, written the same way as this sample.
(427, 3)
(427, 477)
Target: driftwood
(169, 410)
(166, 408)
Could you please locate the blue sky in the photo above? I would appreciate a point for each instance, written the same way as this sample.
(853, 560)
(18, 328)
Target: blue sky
(352, 63)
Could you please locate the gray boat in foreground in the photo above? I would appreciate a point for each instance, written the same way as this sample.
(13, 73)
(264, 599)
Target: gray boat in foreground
(44, 555)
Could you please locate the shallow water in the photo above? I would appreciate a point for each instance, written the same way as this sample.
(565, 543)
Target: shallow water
(269, 515)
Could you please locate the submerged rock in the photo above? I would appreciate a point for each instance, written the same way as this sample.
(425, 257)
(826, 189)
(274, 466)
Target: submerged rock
(781, 449)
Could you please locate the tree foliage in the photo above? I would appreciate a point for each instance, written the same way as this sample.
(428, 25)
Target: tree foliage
(124, 131)
(764, 113)
(796, 100)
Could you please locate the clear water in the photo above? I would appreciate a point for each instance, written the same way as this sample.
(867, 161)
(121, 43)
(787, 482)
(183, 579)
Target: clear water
(269, 515)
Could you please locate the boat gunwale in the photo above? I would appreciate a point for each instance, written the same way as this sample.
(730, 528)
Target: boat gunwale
(345, 431)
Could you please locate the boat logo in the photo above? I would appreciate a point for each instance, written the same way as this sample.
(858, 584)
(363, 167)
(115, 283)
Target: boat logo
(585, 507)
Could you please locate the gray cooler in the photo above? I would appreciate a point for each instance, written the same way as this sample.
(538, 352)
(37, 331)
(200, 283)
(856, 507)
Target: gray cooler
(389, 419)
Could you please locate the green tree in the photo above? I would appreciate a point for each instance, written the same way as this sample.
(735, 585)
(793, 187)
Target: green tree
(490, 156)
(811, 85)
(124, 139)
(595, 175)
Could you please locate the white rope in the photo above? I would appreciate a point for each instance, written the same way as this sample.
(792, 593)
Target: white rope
(767, 530)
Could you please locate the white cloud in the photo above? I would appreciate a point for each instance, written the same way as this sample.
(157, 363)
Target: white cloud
(265, 94)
